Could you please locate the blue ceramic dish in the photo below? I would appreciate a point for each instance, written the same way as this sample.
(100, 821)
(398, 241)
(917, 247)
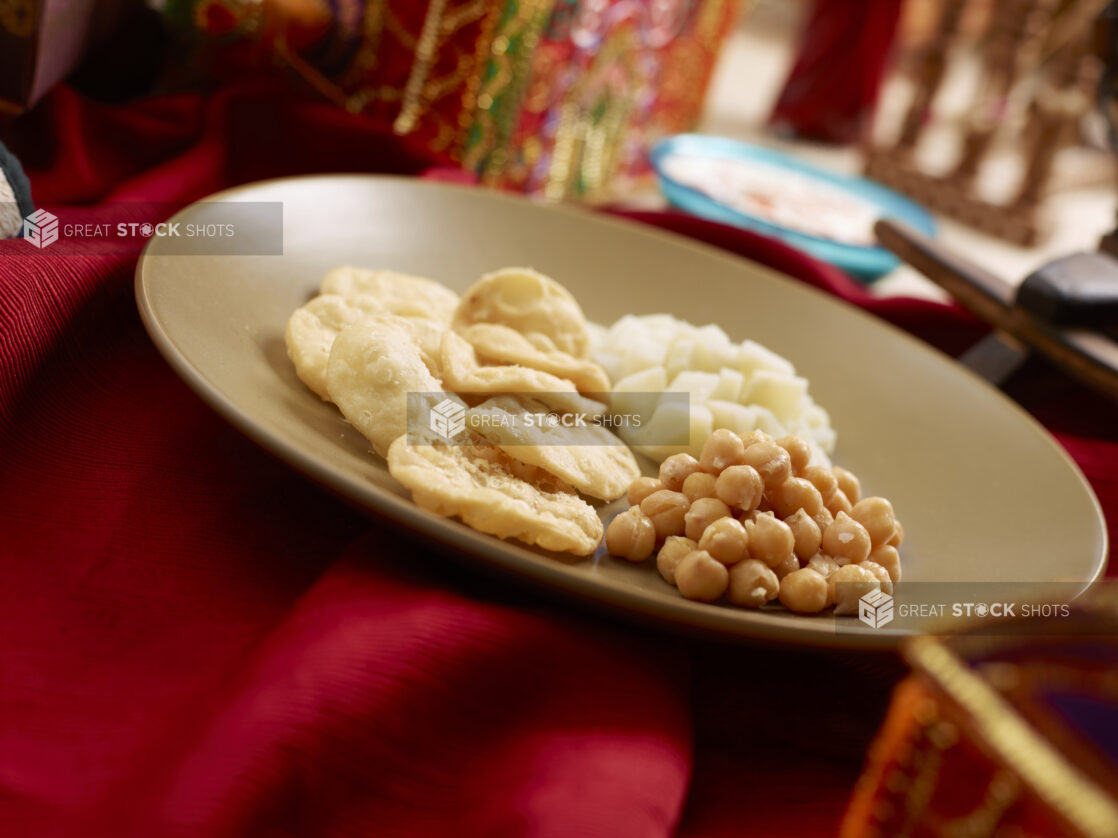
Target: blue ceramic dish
(865, 263)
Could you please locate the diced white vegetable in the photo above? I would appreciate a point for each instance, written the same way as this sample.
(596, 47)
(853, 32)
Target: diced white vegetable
(702, 425)
(816, 417)
(713, 349)
(780, 393)
(673, 427)
(651, 380)
(662, 324)
(768, 423)
(753, 357)
(737, 386)
(700, 385)
(818, 455)
(737, 417)
(670, 424)
(680, 355)
(610, 362)
(730, 384)
(634, 395)
(825, 438)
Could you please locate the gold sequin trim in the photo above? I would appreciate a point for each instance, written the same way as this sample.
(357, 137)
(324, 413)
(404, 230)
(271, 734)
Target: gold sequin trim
(424, 56)
(1037, 763)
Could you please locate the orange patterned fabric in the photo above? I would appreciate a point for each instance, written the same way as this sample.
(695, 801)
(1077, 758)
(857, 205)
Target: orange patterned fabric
(995, 736)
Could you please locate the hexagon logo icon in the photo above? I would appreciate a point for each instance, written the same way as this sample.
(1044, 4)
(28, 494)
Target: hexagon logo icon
(875, 609)
(40, 229)
(448, 419)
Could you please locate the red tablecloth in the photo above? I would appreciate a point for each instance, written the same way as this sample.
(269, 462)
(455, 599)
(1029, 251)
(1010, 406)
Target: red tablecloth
(195, 641)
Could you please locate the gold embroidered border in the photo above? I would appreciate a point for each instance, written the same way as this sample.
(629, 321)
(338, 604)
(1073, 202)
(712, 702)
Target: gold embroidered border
(424, 57)
(489, 152)
(585, 149)
(1037, 763)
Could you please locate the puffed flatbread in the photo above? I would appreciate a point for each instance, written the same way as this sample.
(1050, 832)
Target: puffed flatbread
(312, 329)
(580, 452)
(494, 494)
(530, 303)
(499, 343)
(463, 373)
(403, 294)
(374, 365)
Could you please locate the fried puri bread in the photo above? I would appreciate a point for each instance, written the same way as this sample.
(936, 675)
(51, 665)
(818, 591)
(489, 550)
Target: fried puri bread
(574, 448)
(312, 329)
(463, 373)
(374, 365)
(495, 494)
(498, 343)
(403, 294)
(530, 303)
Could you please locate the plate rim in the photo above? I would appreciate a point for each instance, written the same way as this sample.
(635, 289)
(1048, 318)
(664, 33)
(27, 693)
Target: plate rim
(721, 621)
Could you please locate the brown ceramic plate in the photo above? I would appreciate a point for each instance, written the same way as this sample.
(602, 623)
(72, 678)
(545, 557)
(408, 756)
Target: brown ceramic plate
(989, 500)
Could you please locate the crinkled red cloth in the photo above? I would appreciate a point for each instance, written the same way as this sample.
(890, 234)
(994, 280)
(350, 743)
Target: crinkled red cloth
(194, 641)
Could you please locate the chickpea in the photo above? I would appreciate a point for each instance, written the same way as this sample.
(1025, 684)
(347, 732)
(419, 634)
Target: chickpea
(671, 554)
(787, 566)
(804, 591)
(726, 540)
(770, 540)
(876, 515)
(887, 556)
(722, 449)
(848, 484)
(699, 576)
(795, 493)
(641, 488)
(798, 451)
(848, 585)
(806, 533)
(667, 510)
(822, 479)
(883, 577)
(771, 461)
(839, 502)
(631, 535)
(823, 518)
(846, 539)
(699, 485)
(823, 564)
(756, 435)
(752, 584)
(897, 537)
(703, 513)
(740, 487)
(676, 469)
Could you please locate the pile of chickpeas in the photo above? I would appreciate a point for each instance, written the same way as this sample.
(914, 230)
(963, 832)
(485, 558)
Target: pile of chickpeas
(753, 520)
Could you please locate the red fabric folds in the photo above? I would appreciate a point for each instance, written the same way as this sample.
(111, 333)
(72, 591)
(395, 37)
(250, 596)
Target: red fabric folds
(194, 641)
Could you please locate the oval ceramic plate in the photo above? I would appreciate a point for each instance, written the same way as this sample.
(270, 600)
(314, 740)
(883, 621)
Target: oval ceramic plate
(988, 499)
(865, 262)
